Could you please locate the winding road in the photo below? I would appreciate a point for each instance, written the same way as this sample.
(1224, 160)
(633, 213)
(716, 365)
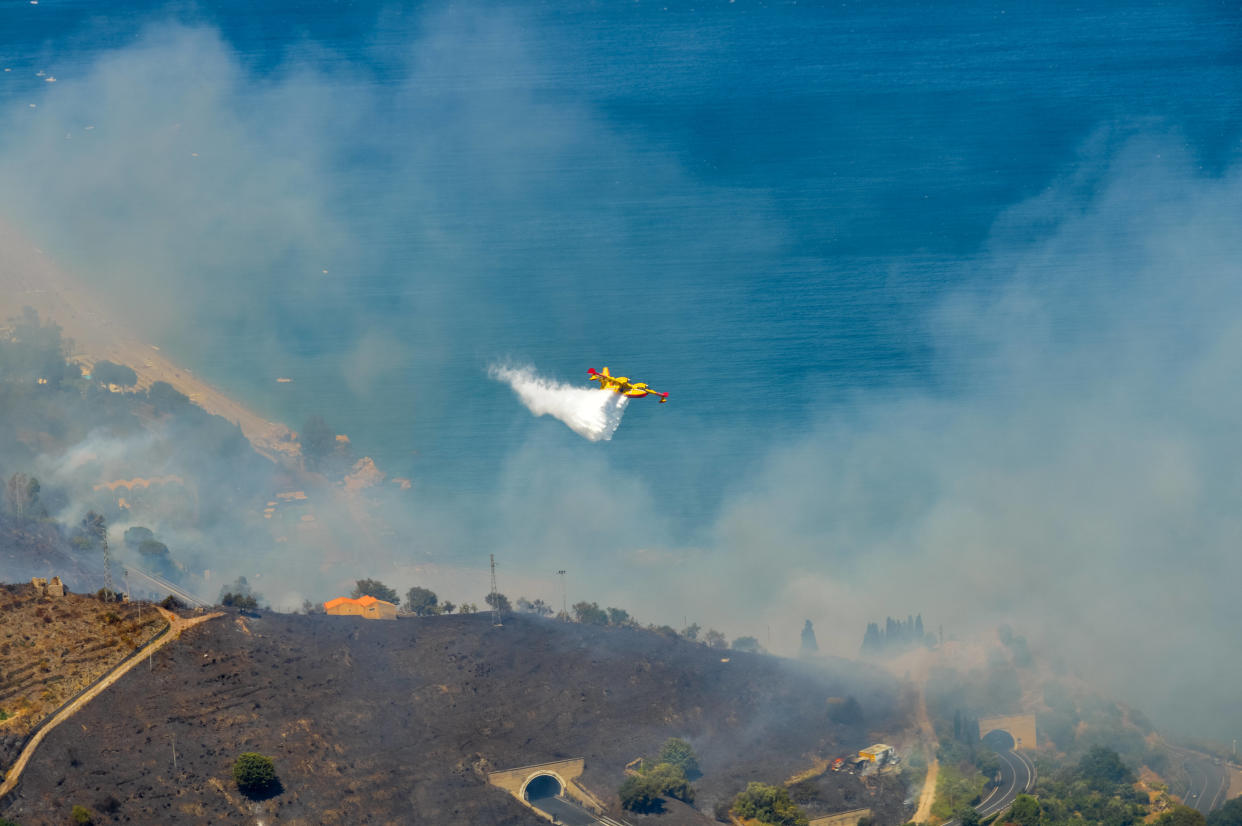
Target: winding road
(1017, 776)
(1207, 781)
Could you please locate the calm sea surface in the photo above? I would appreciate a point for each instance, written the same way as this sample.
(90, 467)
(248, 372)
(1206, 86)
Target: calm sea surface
(752, 206)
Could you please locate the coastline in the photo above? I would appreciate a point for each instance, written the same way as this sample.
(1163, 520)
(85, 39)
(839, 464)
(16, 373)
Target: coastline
(30, 278)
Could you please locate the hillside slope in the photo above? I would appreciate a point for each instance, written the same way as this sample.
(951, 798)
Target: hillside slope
(53, 647)
(398, 722)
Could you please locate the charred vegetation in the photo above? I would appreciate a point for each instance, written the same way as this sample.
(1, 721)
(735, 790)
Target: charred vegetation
(401, 722)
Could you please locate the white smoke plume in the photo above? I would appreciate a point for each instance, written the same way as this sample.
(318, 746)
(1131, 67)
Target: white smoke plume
(590, 412)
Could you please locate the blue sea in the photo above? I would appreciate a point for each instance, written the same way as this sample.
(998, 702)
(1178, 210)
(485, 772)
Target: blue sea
(756, 207)
(945, 295)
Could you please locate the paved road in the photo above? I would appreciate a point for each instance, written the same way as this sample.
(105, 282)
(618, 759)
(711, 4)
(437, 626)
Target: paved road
(1017, 776)
(1207, 783)
(566, 811)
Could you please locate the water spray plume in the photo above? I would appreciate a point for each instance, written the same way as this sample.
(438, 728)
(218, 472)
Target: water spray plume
(592, 414)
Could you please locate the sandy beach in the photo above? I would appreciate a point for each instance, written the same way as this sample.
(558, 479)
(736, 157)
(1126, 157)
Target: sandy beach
(31, 278)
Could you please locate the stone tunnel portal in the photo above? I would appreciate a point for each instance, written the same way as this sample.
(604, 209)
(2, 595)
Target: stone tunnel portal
(543, 786)
(999, 740)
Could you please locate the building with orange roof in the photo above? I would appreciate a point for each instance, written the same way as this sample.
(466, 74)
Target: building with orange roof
(367, 607)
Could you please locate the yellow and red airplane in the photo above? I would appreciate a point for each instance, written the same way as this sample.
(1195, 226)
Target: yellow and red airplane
(620, 384)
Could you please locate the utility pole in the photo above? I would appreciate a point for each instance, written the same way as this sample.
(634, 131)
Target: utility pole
(564, 594)
(495, 600)
(109, 589)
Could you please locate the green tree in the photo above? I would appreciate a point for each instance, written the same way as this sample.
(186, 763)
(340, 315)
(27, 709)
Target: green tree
(1228, 815)
(165, 398)
(107, 372)
(1025, 811)
(671, 781)
(21, 496)
(239, 595)
(691, 632)
(619, 616)
(809, 645)
(35, 351)
(749, 644)
(715, 640)
(153, 548)
(846, 712)
(447, 607)
(421, 601)
(642, 792)
(589, 613)
(135, 536)
(92, 530)
(968, 816)
(498, 601)
(254, 773)
(82, 816)
(1181, 816)
(1102, 770)
(639, 795)
(539, 608)
(768, 804)
(374, 588)
(679, 753)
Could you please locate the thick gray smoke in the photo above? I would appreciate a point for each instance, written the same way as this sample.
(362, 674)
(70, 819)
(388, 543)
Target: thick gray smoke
(1075, 469)
(1079, 476)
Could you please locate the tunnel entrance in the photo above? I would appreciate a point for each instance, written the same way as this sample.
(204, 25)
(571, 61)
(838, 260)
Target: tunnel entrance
(999, 740)
(543, 786)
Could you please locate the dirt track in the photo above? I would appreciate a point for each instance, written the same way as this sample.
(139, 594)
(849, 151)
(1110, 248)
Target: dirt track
(372, 721)
(916, 665)
(175, 626)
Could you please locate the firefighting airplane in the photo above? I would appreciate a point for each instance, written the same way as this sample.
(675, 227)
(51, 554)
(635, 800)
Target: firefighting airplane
(620, 384)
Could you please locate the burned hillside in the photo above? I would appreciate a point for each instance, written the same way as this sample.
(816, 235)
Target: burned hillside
(399, 722)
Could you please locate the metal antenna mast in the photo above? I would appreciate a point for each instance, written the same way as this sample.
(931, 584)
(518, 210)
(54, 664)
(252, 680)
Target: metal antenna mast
(564, 593)
(495, 595)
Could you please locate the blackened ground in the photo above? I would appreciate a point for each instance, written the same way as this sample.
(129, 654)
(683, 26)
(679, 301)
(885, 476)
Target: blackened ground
(398, 722)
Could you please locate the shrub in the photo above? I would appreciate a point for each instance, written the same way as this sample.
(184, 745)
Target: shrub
(768, 804)
(638, 795)
(678, 752)
(254, 773)
(108, 372)
(421, 601)
(242, 602)
(589, 613)
(374, 588)
(82, 816)
(642, 792)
